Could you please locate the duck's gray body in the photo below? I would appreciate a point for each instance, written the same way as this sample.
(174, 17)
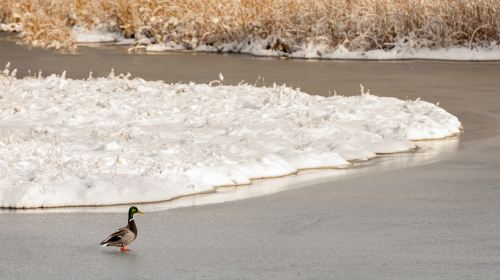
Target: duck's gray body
(121, 237)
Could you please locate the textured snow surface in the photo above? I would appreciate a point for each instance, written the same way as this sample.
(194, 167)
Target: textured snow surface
(117, 140)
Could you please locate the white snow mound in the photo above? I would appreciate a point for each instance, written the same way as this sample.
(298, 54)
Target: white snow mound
(117, 140)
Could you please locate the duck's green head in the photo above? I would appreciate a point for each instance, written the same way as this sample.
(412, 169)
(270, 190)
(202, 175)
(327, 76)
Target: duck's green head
(132, 211)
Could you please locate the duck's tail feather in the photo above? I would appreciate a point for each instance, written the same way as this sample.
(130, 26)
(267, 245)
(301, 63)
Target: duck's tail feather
(105, 242)
(113, 238)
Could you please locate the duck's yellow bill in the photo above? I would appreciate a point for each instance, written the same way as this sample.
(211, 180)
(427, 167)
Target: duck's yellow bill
(140, 212)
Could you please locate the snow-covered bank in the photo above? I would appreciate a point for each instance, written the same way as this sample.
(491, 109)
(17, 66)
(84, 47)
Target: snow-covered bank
(404, 49)
(322, 51)
(117, 140)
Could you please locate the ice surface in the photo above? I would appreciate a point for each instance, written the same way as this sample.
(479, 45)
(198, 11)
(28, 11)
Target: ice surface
(116, 140)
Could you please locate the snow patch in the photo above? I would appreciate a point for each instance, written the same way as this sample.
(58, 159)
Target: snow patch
(84, 35)
(262, 47)
(117, 140)
(11, 27)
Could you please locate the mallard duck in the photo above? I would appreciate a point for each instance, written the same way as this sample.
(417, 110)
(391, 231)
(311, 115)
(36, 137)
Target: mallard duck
(125, 235)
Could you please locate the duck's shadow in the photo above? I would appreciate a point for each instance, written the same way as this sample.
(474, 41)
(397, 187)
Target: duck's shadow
(129, 254)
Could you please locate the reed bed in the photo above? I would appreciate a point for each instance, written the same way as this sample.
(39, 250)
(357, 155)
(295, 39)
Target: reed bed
(286, 24)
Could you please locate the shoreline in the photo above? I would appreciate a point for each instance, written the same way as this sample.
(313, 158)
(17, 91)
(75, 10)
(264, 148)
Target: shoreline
(462, 54)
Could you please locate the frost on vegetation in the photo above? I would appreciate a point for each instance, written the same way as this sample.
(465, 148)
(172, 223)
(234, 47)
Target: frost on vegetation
(355, 29)
(116, 140)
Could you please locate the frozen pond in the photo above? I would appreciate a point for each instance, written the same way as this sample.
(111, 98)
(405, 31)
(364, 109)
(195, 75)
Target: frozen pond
(438, 220)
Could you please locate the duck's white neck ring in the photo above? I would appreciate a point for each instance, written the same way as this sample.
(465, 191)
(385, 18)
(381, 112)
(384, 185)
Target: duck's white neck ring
(131, 220)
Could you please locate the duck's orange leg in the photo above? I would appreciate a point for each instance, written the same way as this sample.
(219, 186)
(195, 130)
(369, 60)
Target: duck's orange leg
(123, 249)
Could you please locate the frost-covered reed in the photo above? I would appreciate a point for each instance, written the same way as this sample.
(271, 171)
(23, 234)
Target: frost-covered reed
(286, 24)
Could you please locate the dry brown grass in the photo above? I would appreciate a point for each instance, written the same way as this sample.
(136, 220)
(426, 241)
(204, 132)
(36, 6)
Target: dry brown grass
(357, 24)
